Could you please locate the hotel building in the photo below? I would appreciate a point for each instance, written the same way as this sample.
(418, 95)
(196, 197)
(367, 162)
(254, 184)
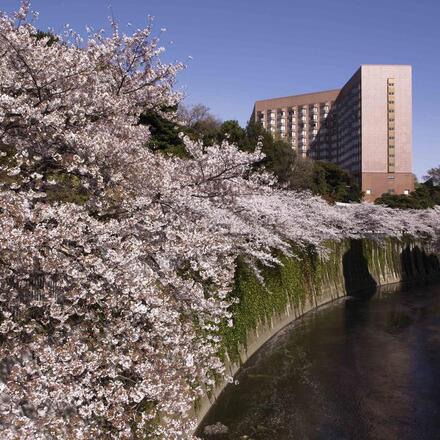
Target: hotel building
(365, 127)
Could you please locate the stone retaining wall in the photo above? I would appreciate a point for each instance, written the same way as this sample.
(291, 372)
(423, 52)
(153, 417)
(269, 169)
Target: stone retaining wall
(309, 280)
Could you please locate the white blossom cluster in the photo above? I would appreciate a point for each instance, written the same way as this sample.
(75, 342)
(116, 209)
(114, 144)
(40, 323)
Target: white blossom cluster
(110, 309)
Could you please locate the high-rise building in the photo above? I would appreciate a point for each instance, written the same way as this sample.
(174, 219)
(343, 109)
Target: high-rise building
(365, 127)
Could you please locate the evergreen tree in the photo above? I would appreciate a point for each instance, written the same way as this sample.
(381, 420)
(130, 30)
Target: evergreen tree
(164, 132)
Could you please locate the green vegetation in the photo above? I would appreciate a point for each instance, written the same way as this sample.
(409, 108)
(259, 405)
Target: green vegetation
(426, 195)
(433, 175)
(289, 283)
(164, 132)
(58, 184)
(52, 39)
(66, 188)
(334, 183)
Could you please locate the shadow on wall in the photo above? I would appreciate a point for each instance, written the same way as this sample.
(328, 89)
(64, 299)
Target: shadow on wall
(357, 277)
(417, 264)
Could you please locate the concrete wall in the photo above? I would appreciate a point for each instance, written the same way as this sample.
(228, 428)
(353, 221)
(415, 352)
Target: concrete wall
(352, 267)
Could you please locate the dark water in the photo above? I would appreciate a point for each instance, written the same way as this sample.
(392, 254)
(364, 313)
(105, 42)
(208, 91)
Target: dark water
(358, 369)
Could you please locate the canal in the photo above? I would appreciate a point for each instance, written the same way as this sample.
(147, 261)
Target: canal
(365, 368)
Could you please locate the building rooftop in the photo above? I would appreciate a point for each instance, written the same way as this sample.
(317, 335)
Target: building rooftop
(301, 96)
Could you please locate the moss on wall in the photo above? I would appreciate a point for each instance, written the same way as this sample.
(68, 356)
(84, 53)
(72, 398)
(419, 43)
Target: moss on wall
(290, 284)
(348, 266)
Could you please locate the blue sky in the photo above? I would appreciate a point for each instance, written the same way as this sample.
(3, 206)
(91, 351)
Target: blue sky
(245, 50)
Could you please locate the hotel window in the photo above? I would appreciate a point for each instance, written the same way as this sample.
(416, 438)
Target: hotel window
(368, 191)
(390, 125)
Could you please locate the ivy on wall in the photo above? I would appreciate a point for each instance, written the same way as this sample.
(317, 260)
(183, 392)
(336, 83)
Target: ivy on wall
(306, 275)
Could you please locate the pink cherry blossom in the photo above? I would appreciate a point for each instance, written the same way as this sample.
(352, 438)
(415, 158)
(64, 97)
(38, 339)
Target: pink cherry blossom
(111, 308)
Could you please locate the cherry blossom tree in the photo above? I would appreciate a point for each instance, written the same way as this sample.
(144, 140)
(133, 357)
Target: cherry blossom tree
(112, 292)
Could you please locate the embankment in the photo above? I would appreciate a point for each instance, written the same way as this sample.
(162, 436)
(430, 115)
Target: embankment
(308, 280)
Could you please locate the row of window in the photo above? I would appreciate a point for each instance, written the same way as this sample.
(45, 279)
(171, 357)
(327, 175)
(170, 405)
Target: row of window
(273, 120)
(391, 125)
(325, 108)
(304, 122)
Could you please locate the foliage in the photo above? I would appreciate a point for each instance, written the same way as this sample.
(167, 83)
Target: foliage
(234, 133)
(260, 300)
(199, 123)
(112, 300)
(424, 196)
(334, 183)
(433, 175)
(164, 132)
(280, 159)
(49, 37)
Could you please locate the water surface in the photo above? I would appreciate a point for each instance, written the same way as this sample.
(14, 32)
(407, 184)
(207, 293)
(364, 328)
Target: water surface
(357, 369)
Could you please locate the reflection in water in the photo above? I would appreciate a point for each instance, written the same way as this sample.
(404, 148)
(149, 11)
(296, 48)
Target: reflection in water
(359, 369)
